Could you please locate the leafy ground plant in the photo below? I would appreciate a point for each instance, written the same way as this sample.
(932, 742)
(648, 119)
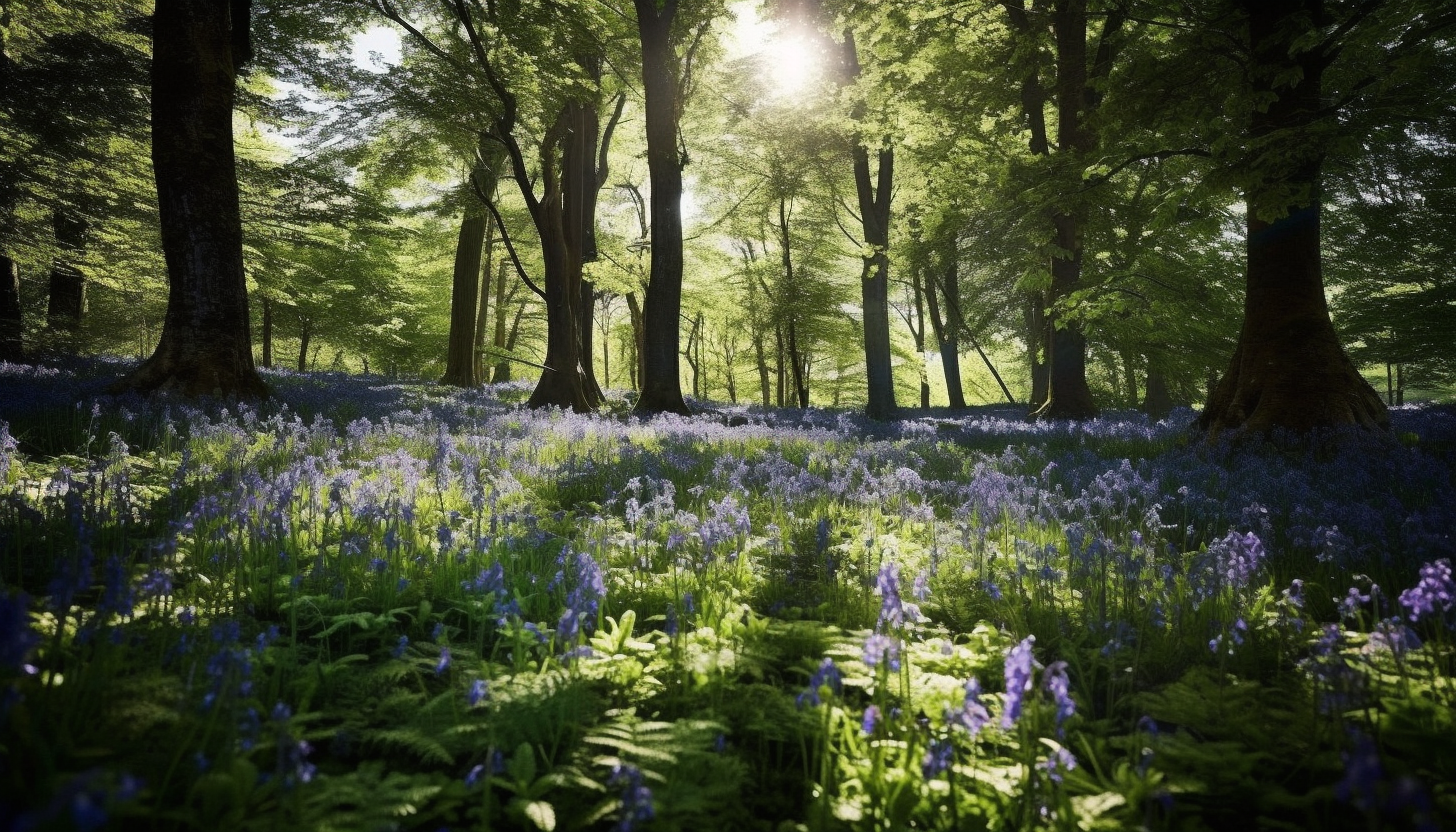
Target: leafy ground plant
(385, 606)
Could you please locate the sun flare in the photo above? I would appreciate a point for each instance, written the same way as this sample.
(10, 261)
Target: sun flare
(790, 61)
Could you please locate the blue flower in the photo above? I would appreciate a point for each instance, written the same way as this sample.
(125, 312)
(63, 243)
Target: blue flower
(938, 757)
(870, 721)
(826, 679)
(477, 692)
(880, 647)
(1435, 591)
(1057, 762)
(444, 663)
(636, 796)
(1056, 682)
(400, 646)
(1019, 664)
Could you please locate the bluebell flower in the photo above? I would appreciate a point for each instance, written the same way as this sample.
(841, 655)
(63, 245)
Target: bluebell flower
(880, 647)
(1019, 668)
(477, 692)
(1056, 763)
(1056, 682)
(972, 715)
(1434, 592)
(826, 679)
(400, 646)
(938, 758)
(444, 663)
(636, 796)
(870, 721)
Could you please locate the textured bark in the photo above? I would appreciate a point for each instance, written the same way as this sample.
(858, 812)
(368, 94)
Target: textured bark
(919, 333)
(579, 173)
(465, 301)
(945, 336)
(1289, 370)
(267, 332)
(12, 318)
(639, 337)
(205, 346)
(874, 191)
(661, 379)
(482, 312)
(305, 338)
(502, 371)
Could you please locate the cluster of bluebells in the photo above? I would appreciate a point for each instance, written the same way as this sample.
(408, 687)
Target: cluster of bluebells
(826, 678)
(1433, 595)
(636, 797)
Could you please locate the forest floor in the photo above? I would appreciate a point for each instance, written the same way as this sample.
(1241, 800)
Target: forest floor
(368, 604)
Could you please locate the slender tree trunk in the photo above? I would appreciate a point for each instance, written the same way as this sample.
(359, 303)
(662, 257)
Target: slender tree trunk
(918, 331)
(205, 346)
(639, 338)
(267, 332)
(482, 313)
(12, 316)
(465, 300)
(761, 358)
(1037, 349)
(1288, 370)
(780, 366)
(305, 337)
(945, 336)
(661, 381)
(502, 368)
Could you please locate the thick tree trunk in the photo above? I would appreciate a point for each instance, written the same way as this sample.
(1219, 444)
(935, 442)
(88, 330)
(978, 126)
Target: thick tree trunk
(1289, 370)
(1036, 350)
(579, 173)
(465, 301)
(661, 381)
(761, 359)
(12, 315)
(1158, 402)
(205, 346)
(66, 306)
(267, 332)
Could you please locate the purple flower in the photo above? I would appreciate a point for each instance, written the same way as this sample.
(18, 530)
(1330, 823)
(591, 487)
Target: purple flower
(879, 647)
(1434, 591)
(400, 646)
(871, 720)
(636, 796)
(1055, 680)
(444, 663)
(827, 677)
(1057, 762)
(894, 611)
(921, 588)
(938, 757)
(477, 692)
(973, 715)
(1019, 663)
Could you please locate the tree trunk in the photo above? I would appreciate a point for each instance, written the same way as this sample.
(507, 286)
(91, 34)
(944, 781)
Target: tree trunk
(661, 383)
(305, 336)
(502, 368)
(12, 316)
(267, 332)
(1289, 370)
(1036, 350)
(67, 302)
(919, 333)
(945, 336)
(1158, 402)
(205, 346)
(874, 191)
(761, 358)
(579, 173)
(465, 301)
(639, 337)
(482, 313)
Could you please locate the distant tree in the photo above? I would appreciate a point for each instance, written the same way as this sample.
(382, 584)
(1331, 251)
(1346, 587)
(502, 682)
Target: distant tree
(205, 347)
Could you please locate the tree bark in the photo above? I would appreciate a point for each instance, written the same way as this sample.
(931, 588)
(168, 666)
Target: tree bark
(661, 381)
(1157, 402)
(874, 192)
(267, 332)
(919, 333)
(12, 316)
(1289, 370)
(945, 336)
(305, 337)
(502, 370)
(465, 300)
(639, 337)
(205, 347)
(482, 312)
